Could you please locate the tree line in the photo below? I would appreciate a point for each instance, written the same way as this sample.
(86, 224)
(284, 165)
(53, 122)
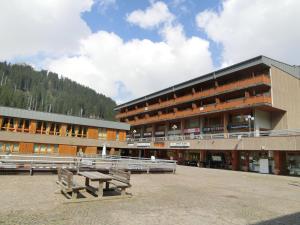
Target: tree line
(23, 87)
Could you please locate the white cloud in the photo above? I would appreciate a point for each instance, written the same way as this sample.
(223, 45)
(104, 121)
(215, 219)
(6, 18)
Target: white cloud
(104, 5)
(156, 14)
(137, 67)
(252, 27)
(103, 61)
(41, 27)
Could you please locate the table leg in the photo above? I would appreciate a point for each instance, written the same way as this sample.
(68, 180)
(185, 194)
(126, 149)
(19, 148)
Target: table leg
(100, 189)
(87, 181)
(106, 185)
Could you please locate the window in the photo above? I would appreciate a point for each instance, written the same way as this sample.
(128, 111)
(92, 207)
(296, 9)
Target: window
(20, 123)
(43, 149)
(55, 149)
(5, 123)
(102, 133)
(16, 147)
(7, 147)
(49, 149)
(36, 148)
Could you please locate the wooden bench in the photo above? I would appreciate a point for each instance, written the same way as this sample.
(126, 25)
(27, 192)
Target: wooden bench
(121, 180)
(67, 184)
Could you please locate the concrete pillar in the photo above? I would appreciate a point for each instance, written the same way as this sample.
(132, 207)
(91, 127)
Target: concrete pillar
(280, 162)
(225, 124)
(202, 158)
(112, 151)
(247, 162)
(201, 124)
(182, 125)
(235, 159)
(153, 130)
(166, 128)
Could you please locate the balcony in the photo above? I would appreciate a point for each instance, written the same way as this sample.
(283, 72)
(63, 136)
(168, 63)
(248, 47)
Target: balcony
(205, 109)
(262, 79)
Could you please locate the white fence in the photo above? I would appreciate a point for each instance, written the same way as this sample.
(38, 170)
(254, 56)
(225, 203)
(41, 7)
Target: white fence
(38, 162)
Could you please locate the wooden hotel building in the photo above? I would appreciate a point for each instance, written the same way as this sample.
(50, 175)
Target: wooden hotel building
(229, 118)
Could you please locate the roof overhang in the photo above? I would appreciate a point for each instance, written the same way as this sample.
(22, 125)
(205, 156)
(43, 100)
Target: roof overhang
(60, 118)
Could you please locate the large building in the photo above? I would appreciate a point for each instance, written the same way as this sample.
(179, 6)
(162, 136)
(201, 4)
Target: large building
(33, 132)
(232, 118)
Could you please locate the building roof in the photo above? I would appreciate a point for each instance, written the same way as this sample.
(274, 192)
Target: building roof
(60, 118)
(259, 60)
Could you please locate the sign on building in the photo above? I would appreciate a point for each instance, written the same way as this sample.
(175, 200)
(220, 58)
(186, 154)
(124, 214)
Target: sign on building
(180, 144)
(143, 144)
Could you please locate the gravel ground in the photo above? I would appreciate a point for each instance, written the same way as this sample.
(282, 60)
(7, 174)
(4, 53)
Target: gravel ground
(191, 196)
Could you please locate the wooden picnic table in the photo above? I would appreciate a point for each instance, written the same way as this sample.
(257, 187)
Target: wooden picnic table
(95, 176)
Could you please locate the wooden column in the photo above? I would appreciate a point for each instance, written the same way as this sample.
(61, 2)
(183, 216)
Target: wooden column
(32, 127)
(235, 159)
(16, 124)
(48, 128)
(280, 162)
(76, 131)
(63, 130)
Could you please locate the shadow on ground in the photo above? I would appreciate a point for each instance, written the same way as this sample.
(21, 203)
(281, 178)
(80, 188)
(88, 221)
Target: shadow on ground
(291, 219)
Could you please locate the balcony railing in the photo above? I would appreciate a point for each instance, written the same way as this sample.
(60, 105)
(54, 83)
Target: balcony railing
(205, 109)
(255, 134)
(198, 95)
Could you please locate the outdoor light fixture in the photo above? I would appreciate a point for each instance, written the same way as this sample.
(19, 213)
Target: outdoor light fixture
(174, 127)
(249, 118)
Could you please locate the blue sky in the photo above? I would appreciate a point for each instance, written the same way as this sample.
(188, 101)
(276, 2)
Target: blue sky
(126, 49)
(113, 19)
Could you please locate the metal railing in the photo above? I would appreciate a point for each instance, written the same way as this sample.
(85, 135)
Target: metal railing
(46, 162)
(252, 134)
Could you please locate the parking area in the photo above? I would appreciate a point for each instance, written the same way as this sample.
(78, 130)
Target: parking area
(191, 196)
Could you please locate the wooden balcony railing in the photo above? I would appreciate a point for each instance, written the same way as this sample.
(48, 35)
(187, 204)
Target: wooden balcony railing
(205, 109)
(198, 95)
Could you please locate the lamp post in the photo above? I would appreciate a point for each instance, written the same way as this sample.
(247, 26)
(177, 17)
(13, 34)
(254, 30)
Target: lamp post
(133, 133)
(249, 118)
(174, 127)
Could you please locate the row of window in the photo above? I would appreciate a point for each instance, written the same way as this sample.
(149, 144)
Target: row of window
(45, 148)
(43, 127)
(9, 147)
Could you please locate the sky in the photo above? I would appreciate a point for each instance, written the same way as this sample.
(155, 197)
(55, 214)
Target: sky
(126, 49)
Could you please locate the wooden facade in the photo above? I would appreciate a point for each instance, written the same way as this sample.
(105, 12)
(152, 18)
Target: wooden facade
(26, 148)
(72, 137)
(67, 150)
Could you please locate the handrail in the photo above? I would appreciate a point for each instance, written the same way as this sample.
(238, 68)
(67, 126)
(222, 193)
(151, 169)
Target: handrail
(204, 109)
(255, 134)
(201, 94)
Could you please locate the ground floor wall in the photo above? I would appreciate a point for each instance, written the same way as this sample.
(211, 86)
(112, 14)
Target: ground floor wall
(263, 161)
(7, 147)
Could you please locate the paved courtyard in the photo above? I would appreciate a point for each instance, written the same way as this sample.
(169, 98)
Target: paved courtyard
(191, 196)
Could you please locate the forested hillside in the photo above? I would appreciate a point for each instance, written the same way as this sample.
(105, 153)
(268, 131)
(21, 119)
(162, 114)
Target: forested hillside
(23, 87)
